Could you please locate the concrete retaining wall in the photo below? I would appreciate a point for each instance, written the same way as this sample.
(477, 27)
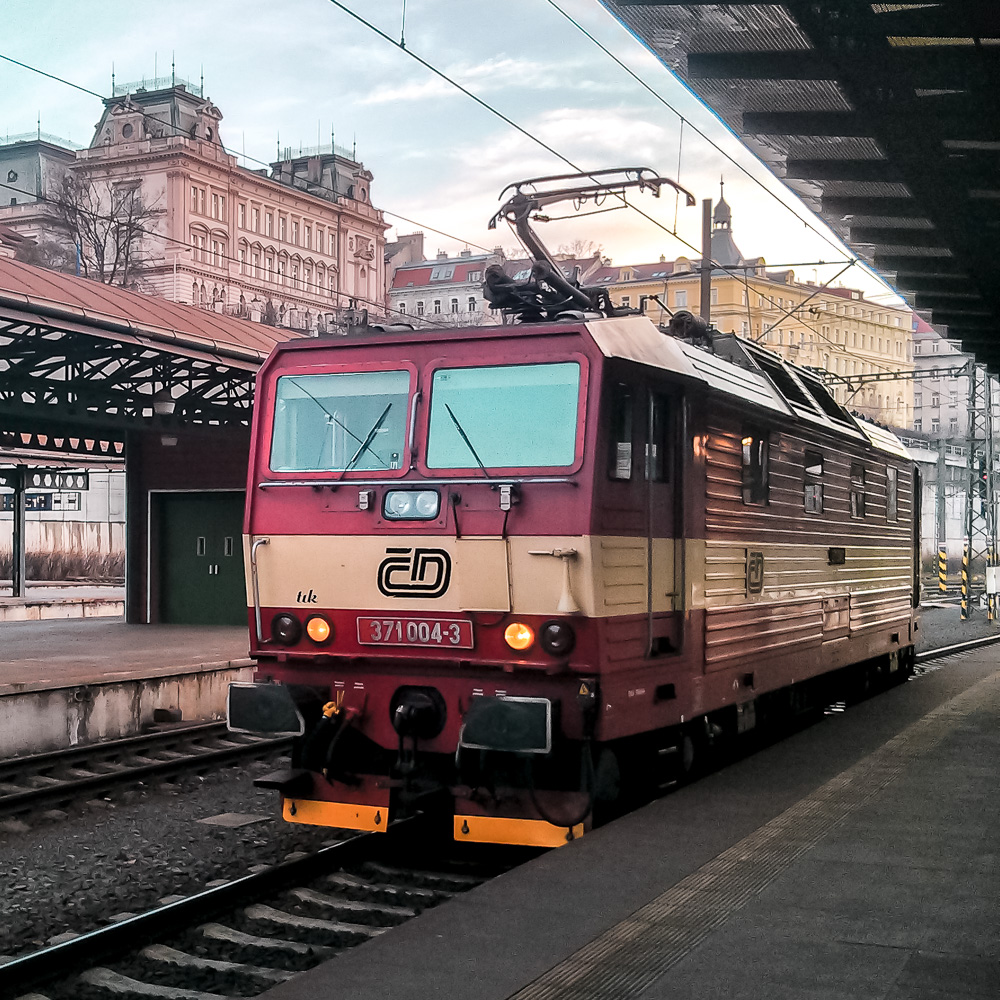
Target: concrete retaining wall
(13, 609)
(34, 721)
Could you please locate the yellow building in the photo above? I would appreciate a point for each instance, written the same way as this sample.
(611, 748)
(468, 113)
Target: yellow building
(834, 329)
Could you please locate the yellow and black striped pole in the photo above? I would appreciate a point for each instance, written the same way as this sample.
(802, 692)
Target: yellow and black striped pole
(991, 599)
(942, 569)
(965, 581)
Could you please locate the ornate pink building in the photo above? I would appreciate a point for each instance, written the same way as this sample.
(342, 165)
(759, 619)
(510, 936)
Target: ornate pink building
(294, 245)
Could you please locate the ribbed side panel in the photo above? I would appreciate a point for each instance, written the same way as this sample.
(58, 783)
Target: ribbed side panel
(760, 629)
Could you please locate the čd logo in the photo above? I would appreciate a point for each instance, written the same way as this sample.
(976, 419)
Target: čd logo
(414, 572)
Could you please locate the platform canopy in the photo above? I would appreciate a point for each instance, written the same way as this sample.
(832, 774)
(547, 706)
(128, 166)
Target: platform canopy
(884, 117)
(82, 363)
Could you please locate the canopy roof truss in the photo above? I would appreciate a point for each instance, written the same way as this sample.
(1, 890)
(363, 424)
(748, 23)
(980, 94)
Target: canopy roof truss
(885, 118)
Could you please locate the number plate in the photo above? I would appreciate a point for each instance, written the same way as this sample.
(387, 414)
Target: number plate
(446, 633)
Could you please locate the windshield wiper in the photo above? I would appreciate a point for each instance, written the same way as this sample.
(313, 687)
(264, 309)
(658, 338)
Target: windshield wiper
(333, 418)
(367, 441)
(468, 443)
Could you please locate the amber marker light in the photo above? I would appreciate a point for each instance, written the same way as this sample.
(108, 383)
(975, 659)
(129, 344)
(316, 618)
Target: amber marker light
(318, 629)
(519, 636)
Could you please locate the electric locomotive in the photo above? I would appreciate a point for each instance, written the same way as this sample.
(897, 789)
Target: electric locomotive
(504, 572)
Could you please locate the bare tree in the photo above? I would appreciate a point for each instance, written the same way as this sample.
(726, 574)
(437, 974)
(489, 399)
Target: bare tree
(582, 249)
(109, 223)
(54, 253)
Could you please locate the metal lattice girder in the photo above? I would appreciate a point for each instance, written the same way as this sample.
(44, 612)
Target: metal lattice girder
(52, 372)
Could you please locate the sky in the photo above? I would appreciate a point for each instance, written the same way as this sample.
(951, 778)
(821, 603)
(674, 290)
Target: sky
(299, 68)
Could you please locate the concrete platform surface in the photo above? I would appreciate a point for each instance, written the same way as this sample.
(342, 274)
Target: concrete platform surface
(858, 858)
(38, 655)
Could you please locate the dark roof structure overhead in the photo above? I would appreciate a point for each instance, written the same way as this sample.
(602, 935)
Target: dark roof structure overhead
(885, 118)
(76, 353)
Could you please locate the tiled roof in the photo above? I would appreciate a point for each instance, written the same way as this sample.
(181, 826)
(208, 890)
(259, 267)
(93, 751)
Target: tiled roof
(419, 275)
(78, 304)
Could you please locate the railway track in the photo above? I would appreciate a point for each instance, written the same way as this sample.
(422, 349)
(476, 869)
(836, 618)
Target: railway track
(29, 785)
(240, 938)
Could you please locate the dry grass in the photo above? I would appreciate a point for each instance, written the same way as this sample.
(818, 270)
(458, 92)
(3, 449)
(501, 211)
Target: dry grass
(68, 566)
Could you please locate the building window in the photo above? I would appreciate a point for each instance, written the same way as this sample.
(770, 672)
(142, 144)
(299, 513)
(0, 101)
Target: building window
(437, 306)
(255, 219)
(243, 261)
(475, 276)
(295, 276)
(295, 233)
(333, 244)
(754, 467)
(857, 489)
(282, 227)
(891, 494)
(268, 223)
(954, 399)
(307, 236)
(813, 484)
(454, 305)
(242, 216)
(194, 199)
(215, 206)
(255, 264)
(714, 296)
(918, 424)
(472, 303)
(626, 301)
(935, 425)
(918, 399)
(952, 426)
(269, 268)
(935, 399)
(420, 308)
(402, 308)
(681, 297)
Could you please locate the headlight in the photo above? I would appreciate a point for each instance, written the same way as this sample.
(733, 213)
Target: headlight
(319, 629)
(557, 638)
(411, 505)
(519, 636)
(286, 629)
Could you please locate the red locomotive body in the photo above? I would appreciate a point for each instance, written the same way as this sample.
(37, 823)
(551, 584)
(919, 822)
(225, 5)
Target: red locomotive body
(502, 571)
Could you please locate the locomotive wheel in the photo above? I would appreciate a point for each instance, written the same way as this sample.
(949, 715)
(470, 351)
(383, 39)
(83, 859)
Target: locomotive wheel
(688, 757)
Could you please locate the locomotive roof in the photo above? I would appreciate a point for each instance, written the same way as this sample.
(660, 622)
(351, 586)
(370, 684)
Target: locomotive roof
(743, 370)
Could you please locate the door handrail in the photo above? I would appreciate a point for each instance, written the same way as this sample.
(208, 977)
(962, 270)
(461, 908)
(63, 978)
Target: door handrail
(256, 544)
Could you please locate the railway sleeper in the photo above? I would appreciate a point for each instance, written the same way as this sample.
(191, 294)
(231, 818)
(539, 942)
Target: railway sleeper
(171, 956)
(117, 984)
(381, 914)
(356, 887)
(423, 879)
(295, 956)
(312, 928)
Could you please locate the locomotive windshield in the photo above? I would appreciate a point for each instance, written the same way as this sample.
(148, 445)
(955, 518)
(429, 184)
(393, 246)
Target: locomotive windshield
(504, 417)
(340, 421)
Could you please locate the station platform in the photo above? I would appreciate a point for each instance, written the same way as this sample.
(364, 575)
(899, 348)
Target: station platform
(70, 681)
(858, 858)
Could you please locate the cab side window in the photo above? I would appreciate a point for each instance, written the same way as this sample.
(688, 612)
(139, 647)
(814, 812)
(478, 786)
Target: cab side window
(813, 483)
(620, 437)
(755, 471)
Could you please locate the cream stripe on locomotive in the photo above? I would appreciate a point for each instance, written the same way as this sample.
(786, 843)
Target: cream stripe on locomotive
(597, 576)
(590, 575)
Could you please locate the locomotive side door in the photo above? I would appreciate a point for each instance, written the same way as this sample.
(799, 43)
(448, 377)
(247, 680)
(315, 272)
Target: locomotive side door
(661, 489)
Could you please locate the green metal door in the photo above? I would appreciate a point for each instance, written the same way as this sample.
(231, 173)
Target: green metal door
(201, 559)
